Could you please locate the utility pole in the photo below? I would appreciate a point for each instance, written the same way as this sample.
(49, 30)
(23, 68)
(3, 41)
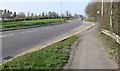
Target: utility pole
(98, 12)
(111, 16)
(102, 9)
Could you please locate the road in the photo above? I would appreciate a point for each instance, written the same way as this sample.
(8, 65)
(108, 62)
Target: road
(18, 41)
(91, 53)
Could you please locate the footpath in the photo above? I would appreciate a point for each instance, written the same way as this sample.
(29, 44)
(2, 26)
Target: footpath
(90, 53)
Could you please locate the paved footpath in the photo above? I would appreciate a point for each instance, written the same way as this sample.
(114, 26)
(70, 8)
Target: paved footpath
(91, 53)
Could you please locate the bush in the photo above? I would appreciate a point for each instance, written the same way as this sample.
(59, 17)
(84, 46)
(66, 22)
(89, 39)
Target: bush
(18, 24)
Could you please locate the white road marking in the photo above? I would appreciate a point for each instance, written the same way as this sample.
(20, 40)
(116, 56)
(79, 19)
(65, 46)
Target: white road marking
(48, 28)
(3, 36)
(14, 34)
(22, 32)
(6, 35)
(10, 34)
(35, 30)
(29, 31)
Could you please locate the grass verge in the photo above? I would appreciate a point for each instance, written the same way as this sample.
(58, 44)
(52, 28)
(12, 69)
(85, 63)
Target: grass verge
(19, 24)
(89, 20)
(111, 44)
(51, 57)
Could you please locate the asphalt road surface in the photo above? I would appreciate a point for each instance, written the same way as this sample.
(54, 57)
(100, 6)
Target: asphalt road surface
(17, 41)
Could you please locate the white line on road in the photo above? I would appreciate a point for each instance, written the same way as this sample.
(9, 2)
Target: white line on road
(35, 30)
(6, 35)
(22, 32)
(3, 36)
(29, 31)
(48, 28)
(14, 34)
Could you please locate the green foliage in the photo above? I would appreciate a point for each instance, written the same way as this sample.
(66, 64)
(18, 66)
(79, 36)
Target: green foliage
(19, 24)
(119, 18)
(111, 44)
(51, 57)
(92, 8)
(105, 20)
(89, 20)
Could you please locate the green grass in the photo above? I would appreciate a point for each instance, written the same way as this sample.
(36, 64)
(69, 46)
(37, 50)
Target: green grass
(110, 43)
(19, 24)
(51, 57)
(89, 20)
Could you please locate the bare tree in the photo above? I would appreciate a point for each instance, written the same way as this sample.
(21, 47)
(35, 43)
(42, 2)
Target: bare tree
(28, 14)
(14, 16)
(21, 15)
(32, 15)
(49, 13)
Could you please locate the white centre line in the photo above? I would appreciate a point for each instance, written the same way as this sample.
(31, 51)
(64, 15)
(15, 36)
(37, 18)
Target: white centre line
(22, 32)
(10, 34)
(3, 36)
(35, 30)
(6, 35)
(48, 28)
(29, 31)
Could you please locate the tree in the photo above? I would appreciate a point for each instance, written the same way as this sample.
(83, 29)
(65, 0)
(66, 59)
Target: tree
(32, 15)
(49, 13)
(54, 14)
(81, 16)
(62, 15)
(43, 14)
(28, 14)
(14, 15)
(8, 14)
(4, 14)
(36, 16)
(70, 15)
(1, 15)
(92, 8)
(67, 13)
(75, 15)
(21, 15)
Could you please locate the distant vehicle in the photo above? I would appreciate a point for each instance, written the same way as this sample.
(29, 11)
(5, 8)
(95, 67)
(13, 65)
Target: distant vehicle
(82, 18)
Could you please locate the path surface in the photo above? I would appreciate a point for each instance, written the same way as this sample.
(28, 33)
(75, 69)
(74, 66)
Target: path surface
(91, 53)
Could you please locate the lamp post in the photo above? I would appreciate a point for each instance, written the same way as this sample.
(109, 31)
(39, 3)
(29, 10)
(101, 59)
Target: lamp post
(98, 12)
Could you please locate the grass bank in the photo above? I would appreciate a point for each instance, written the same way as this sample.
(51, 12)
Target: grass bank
(111, 44)
(19, 24)
(51, 57)
(89, 20)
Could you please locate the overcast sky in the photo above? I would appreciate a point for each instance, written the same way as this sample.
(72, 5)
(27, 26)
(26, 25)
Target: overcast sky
(38, 6)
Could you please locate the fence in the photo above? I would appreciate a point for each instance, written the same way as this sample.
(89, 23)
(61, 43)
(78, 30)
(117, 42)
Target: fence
(112, 35)
(110, 24)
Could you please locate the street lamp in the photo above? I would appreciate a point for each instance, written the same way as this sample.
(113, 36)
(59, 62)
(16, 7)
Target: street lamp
(98, 12)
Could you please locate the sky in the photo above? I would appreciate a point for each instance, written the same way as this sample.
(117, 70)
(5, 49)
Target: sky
(39, 6)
